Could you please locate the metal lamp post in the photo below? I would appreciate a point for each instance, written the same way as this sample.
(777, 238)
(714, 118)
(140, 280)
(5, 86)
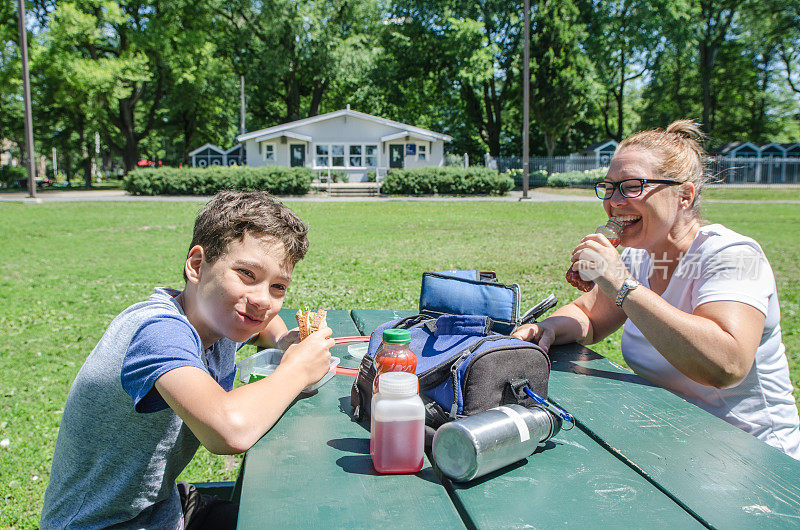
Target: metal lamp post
(26, 89)
(526, 94)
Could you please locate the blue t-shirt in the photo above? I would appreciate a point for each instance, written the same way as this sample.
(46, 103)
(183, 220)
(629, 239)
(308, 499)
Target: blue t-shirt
(165, 342)
(119, 450)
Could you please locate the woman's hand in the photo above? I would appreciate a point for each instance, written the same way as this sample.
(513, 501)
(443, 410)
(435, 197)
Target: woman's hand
(539, 333)
(597, 260)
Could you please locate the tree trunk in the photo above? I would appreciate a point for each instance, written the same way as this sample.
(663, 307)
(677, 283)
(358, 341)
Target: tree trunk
(316, 98)
(619, 96)
(189, 127)
(550, 145)
(130, 150)
(87, 164)
(708, 54)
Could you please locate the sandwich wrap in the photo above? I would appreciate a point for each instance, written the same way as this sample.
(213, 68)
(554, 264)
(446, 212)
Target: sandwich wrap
(310, 321)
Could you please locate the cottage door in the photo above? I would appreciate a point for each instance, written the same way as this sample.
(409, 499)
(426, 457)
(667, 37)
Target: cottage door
(396, 156)
(298, 155)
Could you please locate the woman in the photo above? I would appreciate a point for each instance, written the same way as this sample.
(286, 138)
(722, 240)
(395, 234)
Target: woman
(698, 301)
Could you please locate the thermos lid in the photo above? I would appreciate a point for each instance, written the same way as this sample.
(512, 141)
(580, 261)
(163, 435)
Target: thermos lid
(396, 335)
(398, 383)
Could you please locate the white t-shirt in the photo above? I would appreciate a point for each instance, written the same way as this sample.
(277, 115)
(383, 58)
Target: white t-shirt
(723, 265)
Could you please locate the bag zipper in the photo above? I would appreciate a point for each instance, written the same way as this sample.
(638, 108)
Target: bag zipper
(454, 376)
(462, 357)
(532, 346)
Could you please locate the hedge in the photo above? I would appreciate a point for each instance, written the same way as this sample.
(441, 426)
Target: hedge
(559, 180)
(577, 178)
(9, 175)
(208, 181)
(446, 180)
(535, 178)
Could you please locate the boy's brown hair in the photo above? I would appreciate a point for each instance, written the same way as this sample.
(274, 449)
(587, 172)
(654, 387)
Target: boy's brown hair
(232, 214)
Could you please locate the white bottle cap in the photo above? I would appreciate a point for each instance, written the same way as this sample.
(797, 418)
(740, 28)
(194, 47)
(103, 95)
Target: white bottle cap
(398, 383)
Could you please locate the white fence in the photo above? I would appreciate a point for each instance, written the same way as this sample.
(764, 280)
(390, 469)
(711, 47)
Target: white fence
(723, 170)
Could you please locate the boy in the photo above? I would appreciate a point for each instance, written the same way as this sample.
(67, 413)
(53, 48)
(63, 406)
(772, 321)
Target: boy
(160, 381)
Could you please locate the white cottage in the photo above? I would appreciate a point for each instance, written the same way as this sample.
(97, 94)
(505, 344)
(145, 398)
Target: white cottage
(348, 141)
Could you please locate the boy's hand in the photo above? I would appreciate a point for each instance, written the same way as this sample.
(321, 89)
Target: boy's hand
(287, 339)
(310, 358)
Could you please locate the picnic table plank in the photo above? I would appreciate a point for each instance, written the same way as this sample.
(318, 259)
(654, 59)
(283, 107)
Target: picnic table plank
(313, 468)
(570, 479)
(726, 477)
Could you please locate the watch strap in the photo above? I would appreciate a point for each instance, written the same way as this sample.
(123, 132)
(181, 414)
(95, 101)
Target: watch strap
(627, 286)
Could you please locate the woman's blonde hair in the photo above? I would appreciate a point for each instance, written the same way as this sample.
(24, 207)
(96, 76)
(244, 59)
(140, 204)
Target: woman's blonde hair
(679, 152)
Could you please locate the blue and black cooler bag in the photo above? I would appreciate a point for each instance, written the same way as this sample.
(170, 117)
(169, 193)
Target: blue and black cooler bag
(463, 367)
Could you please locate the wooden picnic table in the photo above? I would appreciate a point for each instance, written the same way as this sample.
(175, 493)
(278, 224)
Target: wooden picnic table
(639, 457)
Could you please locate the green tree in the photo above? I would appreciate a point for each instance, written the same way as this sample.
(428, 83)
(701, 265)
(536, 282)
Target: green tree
(561, 74)
(622, 38)
(113, 53)
(11, 108)
(462, 58)
(715, 20)
(292, 53)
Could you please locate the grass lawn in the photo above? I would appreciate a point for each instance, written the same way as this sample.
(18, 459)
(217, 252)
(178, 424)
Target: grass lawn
(69, 268)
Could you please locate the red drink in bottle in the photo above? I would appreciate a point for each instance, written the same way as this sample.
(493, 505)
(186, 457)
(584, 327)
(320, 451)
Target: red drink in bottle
(395, 355)
(397, 426)
(612, 230)
(389, 446)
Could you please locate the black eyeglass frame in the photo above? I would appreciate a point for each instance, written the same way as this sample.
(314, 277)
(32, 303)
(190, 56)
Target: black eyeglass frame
(618, 186)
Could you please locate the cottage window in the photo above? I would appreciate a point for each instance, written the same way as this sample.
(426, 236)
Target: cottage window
(421, 152)
(322, 155)
(350, 155)
(371, 160)
(337, 155)
(355, 156)
(269, 152)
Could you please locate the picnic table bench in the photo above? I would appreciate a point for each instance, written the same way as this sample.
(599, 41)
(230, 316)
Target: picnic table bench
(639, 457)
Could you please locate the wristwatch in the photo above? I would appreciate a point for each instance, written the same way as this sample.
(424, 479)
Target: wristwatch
(627, 286)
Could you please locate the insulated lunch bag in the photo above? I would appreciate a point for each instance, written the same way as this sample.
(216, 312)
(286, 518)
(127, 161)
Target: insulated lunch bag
(476, 292)
(463, 367)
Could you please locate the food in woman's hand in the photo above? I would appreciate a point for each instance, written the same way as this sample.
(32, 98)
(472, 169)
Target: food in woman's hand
(310, 321)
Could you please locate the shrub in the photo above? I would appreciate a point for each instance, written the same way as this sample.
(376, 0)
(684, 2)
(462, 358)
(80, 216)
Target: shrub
(9, 175)
(208, 181)
(535, 178)
(446, 180)
(577, 178)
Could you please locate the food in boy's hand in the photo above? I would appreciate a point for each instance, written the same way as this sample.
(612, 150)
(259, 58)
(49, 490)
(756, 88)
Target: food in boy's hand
(310, 321)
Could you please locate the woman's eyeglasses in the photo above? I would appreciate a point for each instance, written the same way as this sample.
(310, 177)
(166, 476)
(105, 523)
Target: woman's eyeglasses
(628, 188)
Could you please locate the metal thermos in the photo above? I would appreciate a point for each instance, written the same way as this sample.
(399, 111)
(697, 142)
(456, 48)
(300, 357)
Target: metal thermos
(479, 444)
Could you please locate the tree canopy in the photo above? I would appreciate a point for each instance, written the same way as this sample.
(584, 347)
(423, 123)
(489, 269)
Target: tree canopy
(158, 79)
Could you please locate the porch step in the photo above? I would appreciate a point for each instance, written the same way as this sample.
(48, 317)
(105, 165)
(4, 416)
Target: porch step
(348, 189)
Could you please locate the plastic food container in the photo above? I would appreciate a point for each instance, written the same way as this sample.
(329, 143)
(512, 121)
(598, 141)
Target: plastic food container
(264, 363)
(357, 351)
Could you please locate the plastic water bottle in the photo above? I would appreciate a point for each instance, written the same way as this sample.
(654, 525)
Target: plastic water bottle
(395, 354)
(397, 425)
(473, 446)
(612, 230)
